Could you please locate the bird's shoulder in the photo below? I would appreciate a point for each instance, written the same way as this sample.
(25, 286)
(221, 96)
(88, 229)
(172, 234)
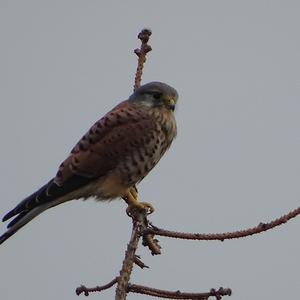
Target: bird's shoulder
(96, 151)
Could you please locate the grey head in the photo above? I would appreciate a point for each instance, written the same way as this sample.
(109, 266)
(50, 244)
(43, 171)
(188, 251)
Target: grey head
(155, 94)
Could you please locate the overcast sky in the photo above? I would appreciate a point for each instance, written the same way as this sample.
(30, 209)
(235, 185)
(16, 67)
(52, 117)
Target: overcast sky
(234, 164)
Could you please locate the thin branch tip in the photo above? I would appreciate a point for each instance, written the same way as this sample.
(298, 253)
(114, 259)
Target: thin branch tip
(87, 291)
(141, 52)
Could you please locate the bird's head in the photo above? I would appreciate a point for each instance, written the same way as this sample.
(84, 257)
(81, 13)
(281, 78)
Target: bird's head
(155, 94)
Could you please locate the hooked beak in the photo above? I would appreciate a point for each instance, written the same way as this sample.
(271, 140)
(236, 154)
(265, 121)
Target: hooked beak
(171, 103)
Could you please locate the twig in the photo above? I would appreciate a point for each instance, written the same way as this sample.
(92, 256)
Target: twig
(144, 36)
(134, 288)
(86, 291)
(225, 235)
(138, 262)
(152, 243)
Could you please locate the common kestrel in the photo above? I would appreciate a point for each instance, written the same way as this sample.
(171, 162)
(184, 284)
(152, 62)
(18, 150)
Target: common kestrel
(111, 158)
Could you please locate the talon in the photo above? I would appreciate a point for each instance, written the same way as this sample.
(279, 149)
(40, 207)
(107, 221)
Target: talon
(140, 206)
(135, 205)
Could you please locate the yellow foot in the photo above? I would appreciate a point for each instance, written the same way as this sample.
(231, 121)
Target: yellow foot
(134, 205)
(143, 207)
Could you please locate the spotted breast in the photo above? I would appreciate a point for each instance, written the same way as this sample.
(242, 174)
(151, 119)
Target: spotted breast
(145, 150)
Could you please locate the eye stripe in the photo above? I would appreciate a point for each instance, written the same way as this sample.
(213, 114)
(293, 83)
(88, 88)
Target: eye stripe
(157, 95)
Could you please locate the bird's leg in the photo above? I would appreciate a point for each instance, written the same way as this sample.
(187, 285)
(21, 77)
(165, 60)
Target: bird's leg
(131, 199)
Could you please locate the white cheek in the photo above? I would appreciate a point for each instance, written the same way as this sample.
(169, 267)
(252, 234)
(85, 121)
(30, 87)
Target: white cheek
(148, 103)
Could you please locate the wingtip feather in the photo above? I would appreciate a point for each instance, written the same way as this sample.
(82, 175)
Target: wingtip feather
(5, 236)
(8, 216)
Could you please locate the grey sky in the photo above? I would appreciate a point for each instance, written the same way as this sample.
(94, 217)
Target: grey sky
(234, 164)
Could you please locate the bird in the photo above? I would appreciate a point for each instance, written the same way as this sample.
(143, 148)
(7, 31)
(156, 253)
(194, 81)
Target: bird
(117, 152)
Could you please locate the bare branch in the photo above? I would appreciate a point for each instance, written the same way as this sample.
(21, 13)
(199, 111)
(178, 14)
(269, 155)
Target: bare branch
(138, 262)
(140, 223)
(86, 291)
(152, 243)
(144, 36)
(134, 288)
(225, 235)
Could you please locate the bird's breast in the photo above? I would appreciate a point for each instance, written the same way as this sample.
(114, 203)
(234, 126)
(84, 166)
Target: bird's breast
(143, 156)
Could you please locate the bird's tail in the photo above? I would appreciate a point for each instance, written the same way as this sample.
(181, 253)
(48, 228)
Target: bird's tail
(49, 195)
(21, 220)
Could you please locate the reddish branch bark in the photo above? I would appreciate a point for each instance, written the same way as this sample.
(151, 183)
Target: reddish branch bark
(140, 223)
(144, 36)
(134, 288)
(87, 291)
(226, 235)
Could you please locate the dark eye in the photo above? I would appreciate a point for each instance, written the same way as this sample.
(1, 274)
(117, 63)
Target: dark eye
(156, 95)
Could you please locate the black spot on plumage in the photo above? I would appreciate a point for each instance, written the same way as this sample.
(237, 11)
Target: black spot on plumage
(152, 136)
(126, 167)
(91, 141)
(141, 157)
(74, 167)
(106, 121)
(59, 173)
(81, 147)
(147, 168)
(165, 130)
(162, 151)
(128, 114)
(148, 154)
